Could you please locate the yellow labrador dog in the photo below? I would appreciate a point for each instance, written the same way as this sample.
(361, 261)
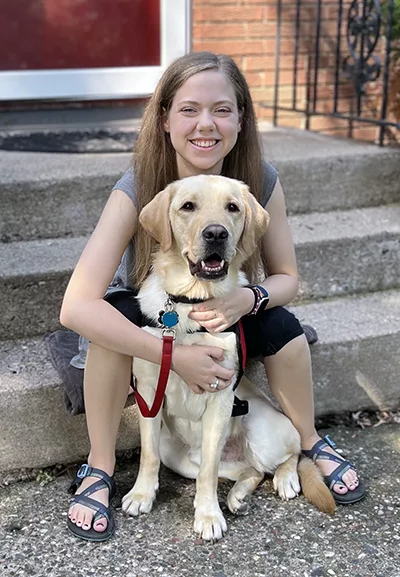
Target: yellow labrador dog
(206, 227)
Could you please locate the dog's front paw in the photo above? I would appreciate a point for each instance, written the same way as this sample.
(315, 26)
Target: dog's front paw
(210, 525)
(138, 501)
(238, 504)
(286, 485)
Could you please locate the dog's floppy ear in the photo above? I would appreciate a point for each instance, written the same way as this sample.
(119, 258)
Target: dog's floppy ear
(154, 217)
(256, 223)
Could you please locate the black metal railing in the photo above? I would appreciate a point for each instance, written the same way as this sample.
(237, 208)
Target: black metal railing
(353, 42)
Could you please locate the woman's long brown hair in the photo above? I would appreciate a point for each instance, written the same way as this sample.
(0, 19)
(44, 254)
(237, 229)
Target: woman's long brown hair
(155, 158)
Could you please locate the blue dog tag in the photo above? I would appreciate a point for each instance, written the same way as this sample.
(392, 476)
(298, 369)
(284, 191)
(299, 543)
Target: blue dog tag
(169, 319)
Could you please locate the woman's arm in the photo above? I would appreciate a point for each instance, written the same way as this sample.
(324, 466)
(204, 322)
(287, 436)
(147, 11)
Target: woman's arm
(83, 309)
(282, 282)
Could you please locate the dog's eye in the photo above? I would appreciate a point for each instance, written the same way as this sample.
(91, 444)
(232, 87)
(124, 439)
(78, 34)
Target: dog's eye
(188, 206)
(232, 207)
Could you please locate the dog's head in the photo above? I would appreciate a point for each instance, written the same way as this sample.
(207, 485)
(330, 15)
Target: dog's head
(210, 220)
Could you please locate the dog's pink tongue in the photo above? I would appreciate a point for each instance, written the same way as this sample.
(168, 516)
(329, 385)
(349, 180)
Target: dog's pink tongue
(213, 263)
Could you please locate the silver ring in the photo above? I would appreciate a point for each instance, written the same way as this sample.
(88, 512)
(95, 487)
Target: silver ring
(215, 385)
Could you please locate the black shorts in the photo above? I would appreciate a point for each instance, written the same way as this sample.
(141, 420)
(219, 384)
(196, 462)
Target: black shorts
(265, 334)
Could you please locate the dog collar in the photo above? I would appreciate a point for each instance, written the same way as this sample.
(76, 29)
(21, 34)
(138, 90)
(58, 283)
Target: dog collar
(184, 300)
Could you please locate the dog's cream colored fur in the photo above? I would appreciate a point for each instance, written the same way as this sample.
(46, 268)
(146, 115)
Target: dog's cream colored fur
(192, 432)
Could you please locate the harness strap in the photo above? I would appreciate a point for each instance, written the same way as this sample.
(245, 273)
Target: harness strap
(240, 407)
(242, 351)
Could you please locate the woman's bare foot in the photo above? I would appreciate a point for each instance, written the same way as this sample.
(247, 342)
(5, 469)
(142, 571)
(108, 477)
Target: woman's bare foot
(81, 515)
(350, 478)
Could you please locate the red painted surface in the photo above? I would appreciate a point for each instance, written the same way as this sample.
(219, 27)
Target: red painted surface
(59, 34)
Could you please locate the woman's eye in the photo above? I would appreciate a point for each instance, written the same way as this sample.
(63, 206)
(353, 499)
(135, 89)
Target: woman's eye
(188, 206)
(188, 110)
(232, 207)
(223, 111)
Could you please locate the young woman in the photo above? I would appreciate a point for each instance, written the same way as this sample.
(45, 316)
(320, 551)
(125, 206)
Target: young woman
(200, 120)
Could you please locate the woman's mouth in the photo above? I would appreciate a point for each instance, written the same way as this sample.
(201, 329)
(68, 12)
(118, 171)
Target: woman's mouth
(204, 143)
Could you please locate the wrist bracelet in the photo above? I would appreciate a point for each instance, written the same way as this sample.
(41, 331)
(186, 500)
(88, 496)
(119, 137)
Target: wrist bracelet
(261, 298)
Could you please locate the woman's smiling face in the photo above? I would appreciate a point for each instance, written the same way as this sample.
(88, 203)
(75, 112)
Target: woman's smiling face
(203, 123)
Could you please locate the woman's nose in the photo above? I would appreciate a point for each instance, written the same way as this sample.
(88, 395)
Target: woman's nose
(205, 121)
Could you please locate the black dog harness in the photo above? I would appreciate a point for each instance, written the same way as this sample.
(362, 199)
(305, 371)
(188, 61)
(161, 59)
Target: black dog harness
(240, 407)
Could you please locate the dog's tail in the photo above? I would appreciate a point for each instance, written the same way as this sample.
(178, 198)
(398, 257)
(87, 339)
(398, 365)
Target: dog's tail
(314, 488)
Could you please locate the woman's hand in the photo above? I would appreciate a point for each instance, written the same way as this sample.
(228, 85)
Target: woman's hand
(197, 366)
(216, 315)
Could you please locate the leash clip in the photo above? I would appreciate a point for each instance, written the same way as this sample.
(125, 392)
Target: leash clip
(167, 332)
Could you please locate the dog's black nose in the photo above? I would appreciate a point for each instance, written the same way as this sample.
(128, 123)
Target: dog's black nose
(215, 233)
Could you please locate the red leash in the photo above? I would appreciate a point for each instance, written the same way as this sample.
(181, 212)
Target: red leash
(162, 381)
(165, 368)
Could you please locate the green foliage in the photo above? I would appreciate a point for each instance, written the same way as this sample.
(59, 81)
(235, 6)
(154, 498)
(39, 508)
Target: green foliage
(394, 82)
(396, 18)
(44, 477)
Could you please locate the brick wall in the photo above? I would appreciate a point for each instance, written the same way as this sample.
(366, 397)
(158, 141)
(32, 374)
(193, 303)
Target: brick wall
(247, 31)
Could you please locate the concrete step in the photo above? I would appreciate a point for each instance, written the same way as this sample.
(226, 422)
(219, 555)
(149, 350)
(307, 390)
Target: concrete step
(55, 195)
(321, 173)
(345, 252)
(338, 252)
(35, 428)
(355, 364)
(33, 278)
(46, 195)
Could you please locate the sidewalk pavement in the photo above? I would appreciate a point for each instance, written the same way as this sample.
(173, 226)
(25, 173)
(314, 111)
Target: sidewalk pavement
(276, 539)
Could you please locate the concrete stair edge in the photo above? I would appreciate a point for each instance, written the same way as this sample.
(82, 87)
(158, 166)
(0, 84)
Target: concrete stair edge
(61, 195)
(35, 430)
(339, 253)
(279, 145)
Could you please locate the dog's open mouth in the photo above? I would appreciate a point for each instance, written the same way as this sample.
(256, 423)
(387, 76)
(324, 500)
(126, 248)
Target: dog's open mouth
(212, 268)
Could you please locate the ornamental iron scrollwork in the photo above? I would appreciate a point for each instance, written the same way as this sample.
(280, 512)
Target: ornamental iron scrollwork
(363, 30)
